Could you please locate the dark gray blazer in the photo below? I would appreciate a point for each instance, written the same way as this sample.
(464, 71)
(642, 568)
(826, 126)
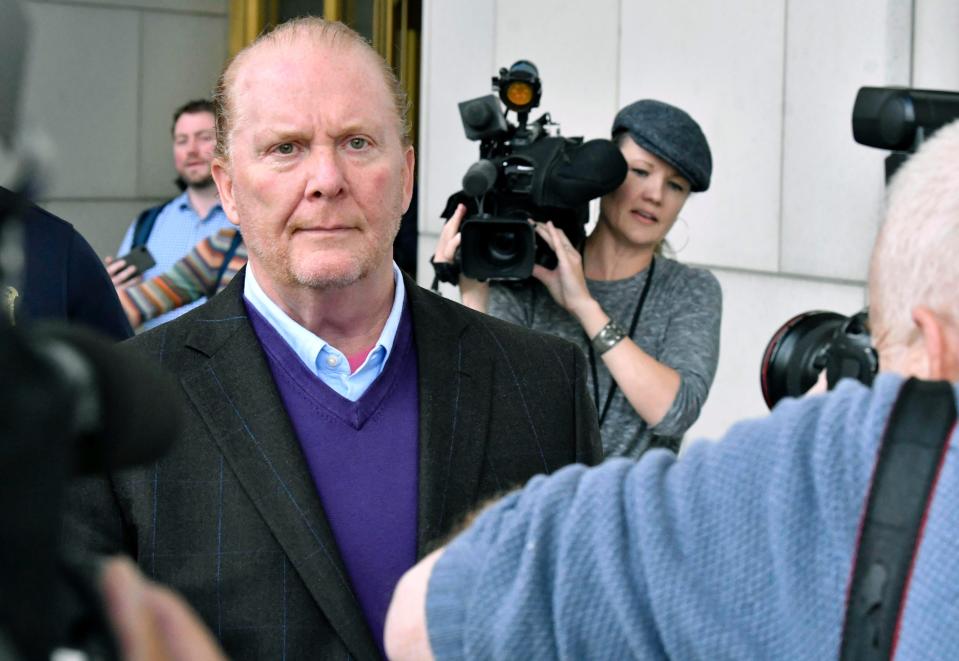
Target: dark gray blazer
(231, 518)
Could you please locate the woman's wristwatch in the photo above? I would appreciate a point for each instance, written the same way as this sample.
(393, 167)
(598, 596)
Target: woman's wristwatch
(607, 338)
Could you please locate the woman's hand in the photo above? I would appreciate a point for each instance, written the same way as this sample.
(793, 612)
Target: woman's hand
(450, 237)
(567, 282)
(473, 293)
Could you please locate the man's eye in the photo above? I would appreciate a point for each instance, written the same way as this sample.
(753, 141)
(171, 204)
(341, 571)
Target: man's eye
(358, 143)
(285, 149)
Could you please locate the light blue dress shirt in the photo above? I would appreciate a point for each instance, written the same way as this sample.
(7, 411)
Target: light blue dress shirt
(177, 230)
(324, 360)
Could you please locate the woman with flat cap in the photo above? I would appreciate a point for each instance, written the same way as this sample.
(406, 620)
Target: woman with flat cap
(648, 324)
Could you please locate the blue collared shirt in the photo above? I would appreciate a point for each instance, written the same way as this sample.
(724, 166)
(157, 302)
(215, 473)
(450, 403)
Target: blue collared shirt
(324, 360)
(177, 230)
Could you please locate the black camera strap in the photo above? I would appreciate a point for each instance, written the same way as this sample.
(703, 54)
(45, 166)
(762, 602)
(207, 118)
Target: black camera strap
(911, 456)
(632, 329)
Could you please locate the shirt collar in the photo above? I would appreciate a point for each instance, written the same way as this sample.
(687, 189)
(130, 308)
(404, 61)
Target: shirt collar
(182, 202)
(304, 343)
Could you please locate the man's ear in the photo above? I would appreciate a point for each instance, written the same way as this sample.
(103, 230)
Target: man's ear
(409, 174)
(224, 185)
(940, 340)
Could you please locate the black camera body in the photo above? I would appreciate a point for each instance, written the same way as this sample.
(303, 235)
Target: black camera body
(900, 119)
(524, 173)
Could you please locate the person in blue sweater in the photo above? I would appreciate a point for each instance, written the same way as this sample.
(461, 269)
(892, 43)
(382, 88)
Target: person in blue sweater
(742, 549)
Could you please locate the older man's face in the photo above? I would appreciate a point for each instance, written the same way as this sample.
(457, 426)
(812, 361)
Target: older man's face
(318, 177)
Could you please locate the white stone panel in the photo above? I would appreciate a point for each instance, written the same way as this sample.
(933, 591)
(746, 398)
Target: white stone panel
(101, 222)
(723, 63)
(456, 64)
(755, 306)
(936, 47)
(81, 90)
(575, 49)
(182, 57)
(832, 186)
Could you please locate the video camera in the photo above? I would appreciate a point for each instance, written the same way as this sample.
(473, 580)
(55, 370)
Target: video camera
(523, 173)
(893, 118)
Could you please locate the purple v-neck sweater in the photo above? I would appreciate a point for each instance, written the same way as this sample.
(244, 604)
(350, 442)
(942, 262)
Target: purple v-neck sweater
(363, 457)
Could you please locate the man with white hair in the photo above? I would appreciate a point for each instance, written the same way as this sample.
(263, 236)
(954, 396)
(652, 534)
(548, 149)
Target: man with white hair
(340, 420)
(742, 549)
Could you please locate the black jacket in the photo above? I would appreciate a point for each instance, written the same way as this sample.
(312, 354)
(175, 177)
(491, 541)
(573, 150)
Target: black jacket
(231, 518)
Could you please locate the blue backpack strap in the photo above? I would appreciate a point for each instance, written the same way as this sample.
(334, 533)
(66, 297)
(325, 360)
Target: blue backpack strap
(144, 224)
(911, 456)
(227, 258)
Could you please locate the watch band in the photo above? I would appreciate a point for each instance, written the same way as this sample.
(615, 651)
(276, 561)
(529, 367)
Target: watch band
(607, 338)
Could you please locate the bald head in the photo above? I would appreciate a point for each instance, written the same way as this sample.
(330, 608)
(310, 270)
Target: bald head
(309, 30)
(914, 262)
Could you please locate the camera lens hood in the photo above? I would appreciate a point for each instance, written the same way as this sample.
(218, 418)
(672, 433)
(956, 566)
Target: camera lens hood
(796, 354)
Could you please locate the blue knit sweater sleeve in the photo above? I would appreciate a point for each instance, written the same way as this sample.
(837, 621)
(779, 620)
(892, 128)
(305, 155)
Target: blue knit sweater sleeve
(741, 549)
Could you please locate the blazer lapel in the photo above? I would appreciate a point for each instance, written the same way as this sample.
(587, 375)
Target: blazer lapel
(234, 392)
(454, 393)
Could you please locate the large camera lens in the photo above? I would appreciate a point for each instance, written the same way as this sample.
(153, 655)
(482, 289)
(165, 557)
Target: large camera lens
(498, 248)
(812, 342)
(796, 355)
(504, 248)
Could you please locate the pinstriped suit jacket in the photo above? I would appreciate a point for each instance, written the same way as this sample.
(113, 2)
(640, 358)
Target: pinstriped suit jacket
(230, 516)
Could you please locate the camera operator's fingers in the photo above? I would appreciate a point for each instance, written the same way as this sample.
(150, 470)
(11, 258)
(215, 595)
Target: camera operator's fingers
(452, 245)
(566, 253)
(547, 276)
(543, 232)
(449, 239)
(446, 248)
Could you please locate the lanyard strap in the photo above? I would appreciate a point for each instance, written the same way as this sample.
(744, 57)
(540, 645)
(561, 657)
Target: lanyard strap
(632, 329)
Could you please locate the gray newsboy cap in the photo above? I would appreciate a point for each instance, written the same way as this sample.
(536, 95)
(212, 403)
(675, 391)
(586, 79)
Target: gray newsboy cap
(671, 134)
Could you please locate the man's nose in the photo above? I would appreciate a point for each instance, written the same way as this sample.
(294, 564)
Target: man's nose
(326, 177)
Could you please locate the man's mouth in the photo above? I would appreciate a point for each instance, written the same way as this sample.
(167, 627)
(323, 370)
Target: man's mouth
(322, 229)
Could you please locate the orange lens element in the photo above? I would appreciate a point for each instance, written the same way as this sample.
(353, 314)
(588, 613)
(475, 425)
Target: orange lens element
(519, 94)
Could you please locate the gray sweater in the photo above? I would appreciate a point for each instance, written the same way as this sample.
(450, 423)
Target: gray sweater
(678, 326)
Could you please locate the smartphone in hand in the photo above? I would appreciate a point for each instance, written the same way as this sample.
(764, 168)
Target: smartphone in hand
(139, 258)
